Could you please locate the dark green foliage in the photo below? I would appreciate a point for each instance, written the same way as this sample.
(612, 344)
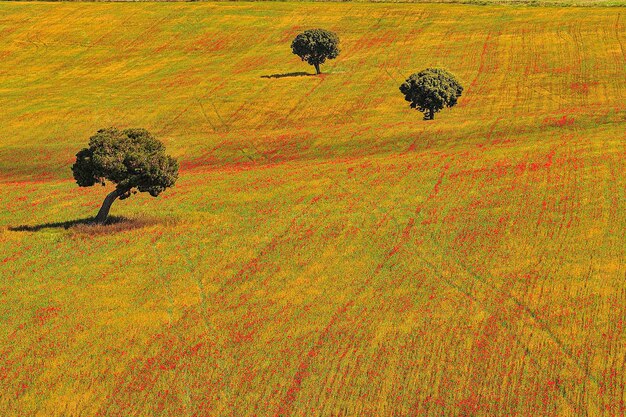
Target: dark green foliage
(430, 90)
(132, 159)
(315, 46)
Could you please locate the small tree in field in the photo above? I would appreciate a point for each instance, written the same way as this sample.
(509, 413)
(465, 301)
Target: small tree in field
(430, 90)
(132, 159)
(315, 46)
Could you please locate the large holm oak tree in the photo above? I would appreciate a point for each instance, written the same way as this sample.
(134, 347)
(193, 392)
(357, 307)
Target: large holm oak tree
(430, 90)
(132, 159)
(315, 46)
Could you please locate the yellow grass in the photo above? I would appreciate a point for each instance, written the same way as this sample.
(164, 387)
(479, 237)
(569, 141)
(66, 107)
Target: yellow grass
(325, 251)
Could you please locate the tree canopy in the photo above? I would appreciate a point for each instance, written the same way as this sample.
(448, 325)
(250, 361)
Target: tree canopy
(315, 46)
(430, 90)
(132, 159)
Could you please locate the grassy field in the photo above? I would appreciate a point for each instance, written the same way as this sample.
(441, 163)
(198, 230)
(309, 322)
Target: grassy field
(325, 251)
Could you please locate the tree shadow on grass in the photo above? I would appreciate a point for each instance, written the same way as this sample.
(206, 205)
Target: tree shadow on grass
(64, 225)
(114, 224)
(290, 74)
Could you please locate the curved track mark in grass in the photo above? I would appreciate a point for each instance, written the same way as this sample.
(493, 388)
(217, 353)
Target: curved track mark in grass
(243, 105)
(618, 26)
(519, 305)
(225, 125)
(485, 306)
(150, 29)
(489, 134)
(435, 190)
(282, 121)
(285, 406)
(406, 232)
(205, 115)
(169, 126)
(495, 293)
(131, 17)
(286, 403)
(481, 68)
(71, 63)
(252, 265)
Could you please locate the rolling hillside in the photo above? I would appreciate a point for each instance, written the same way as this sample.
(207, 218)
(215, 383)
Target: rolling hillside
(325, 252)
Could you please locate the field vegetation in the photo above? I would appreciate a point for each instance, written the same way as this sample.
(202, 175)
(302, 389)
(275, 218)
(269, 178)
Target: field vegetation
(325, 251)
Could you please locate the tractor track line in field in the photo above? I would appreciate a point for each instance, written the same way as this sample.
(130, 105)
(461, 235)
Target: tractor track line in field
(284, 409)
(268, 248)
(242, 106)
(493, 290)
(149, 29)
(286, 403)
(114, 30)
(481, 66)
(250, 266)
(291, 394)
(170, 125)
(285, 119)
(217, 113)
(503, 324)
(618, 26)
(519, 305)
(72, 63)
(406, 232)
(529, 312)
(207, 95)
(205, 115)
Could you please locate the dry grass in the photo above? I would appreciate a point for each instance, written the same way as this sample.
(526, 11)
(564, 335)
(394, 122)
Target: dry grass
(325, 251)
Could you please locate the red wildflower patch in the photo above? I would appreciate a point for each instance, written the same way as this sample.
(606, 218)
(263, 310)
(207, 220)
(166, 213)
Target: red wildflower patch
(377, 40)
(250, 63)
(582, 88)
(183, 78)
(45, 314)
(558, 122)
(210, 42)
(291, 33)
(162, 47)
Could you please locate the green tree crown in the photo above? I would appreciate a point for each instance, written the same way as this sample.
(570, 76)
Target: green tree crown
(315, 46)
(130, 158)
(430, 90)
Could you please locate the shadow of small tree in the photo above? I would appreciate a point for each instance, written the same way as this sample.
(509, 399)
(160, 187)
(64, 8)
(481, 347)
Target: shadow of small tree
(65, 225)
(114, 224)
(290, 74)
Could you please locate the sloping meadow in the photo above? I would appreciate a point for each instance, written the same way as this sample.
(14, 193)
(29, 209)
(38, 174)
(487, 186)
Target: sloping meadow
(325, 252)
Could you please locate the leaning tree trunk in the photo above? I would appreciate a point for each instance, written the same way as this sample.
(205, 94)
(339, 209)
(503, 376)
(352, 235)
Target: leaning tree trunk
(317, 68)
(103, 214)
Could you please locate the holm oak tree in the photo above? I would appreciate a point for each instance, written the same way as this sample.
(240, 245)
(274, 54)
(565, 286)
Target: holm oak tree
(315, 46)
(132, 159)
(431, 90)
